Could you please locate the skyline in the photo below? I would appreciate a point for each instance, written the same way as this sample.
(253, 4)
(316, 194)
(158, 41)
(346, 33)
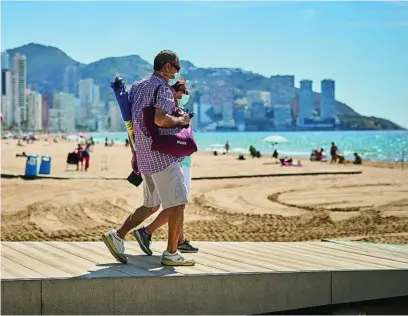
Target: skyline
(359, 45)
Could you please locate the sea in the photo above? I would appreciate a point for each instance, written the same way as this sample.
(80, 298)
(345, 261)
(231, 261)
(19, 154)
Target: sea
(371, 145)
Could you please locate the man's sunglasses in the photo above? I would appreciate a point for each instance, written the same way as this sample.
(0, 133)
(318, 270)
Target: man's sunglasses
(175, 66)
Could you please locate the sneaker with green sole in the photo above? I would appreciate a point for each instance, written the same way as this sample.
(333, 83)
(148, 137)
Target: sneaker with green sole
(176, 259)
(115, 245)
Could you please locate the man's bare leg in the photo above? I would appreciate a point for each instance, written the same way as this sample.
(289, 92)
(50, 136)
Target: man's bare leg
(176, 217)
(114, 239)
(172, 256)
(136, 218)
(161, 220)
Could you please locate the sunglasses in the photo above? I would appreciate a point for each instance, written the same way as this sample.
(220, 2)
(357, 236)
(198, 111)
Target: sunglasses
(175, 66)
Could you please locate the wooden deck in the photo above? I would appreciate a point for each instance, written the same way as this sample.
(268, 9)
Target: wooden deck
(229, 277)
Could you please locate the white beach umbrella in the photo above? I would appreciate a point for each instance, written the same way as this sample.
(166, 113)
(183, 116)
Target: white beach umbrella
(275, 139)
(73, 138)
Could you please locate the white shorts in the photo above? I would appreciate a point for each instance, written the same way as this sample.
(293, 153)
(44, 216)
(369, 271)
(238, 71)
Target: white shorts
(169, 187)
(187, 178)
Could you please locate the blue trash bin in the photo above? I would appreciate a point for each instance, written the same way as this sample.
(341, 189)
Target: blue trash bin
(45, 166)
(31, 166)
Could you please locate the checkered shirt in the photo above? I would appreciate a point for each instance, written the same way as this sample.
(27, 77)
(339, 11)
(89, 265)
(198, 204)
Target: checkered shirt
(141, 96)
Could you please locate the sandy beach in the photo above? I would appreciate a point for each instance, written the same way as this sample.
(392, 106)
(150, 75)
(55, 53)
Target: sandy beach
(369, 206)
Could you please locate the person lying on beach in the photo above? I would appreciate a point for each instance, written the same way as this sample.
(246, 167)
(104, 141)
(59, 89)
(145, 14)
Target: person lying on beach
(21, 155)
(288, 162)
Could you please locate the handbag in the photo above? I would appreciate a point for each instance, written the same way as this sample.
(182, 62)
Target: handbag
(180, 144)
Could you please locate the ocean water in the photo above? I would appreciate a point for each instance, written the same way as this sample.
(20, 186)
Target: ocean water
(371, 145)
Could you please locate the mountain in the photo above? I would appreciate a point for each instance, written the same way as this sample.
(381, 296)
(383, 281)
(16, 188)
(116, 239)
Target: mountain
(131, 68)
(45, 66)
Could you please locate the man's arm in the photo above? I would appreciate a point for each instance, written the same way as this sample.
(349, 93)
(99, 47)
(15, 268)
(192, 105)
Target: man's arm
(163, 119)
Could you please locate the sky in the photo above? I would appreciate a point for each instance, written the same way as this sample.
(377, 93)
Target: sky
(363, 46)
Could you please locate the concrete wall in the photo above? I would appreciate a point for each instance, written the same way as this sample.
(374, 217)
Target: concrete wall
(202, 294)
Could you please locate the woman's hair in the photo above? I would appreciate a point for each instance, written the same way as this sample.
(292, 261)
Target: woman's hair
(180, 85)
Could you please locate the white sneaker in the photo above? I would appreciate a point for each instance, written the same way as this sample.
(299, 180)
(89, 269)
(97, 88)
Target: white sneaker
(115, 245)
(175, 259)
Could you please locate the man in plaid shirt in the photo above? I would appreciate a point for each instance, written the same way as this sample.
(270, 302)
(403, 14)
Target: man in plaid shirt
(163, 178)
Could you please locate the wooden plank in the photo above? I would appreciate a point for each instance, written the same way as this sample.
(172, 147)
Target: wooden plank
(330, 252)
(305, 253)
(99, 260)
(33, 263)
(286, 248)
(363, 250)
(223, 264)
(252, 263)
(15, 270)
(287, 259)
(398, 250)
(8, 275)
(401, 250)
(101, 250)
(64, 261)
(156, 258)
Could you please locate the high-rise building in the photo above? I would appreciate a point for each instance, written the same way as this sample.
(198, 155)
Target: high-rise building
(7, 98)
(203, 109)
(220, 95)
(96, 94)
(306, 101)
(258, 111)
(257, 102)
(96, 116)
(5, 60)
(15, 101)
(86, 90)
(86, 95)
(70, 80)
(20, 82)
(327, 100)
(62, 115)
(45, 112)
(228, 113)
(116, 121)
(282, 96)
(34, 111)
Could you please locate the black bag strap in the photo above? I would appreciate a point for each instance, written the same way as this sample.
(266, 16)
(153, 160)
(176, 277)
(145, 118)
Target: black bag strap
(153, 102)
(155, 93)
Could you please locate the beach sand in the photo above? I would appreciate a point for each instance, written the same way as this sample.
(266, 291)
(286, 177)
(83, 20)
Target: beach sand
(370, 206)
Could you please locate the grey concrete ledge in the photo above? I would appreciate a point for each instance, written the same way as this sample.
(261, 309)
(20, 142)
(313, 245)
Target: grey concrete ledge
(250, 293)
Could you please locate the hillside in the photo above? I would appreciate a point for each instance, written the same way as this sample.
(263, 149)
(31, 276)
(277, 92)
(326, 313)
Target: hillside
(45, 65)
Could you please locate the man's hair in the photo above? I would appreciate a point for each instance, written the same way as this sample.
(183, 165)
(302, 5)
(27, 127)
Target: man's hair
(164, 57)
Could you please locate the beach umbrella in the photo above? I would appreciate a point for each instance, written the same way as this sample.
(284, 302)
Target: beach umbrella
(82, 135)
(239, 150)
(122, 97)
(73, 138)
(275, 139)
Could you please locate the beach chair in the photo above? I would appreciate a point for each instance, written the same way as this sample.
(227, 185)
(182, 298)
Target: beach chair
(72, 159)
